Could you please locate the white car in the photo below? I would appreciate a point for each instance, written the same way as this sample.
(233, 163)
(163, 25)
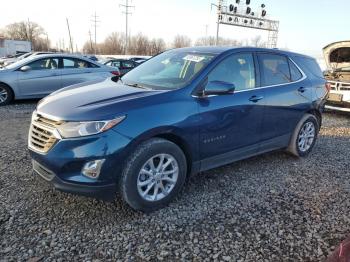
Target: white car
(337, 56)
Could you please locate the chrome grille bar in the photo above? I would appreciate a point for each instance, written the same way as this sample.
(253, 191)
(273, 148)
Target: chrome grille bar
(42, 134)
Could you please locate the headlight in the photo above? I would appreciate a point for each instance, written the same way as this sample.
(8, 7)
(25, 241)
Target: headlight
(77, 129)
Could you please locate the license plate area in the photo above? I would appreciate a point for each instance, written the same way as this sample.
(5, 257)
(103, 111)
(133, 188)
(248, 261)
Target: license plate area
(335, 97)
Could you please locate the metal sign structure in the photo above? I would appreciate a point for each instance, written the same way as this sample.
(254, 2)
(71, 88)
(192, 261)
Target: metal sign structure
(239, 13)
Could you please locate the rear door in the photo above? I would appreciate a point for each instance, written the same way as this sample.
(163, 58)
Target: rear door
(75, 70)
(43, 78)
(288, 96)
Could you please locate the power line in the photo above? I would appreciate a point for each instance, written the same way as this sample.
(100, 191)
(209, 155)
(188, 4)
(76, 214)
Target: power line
(127, 12)
(95, 22)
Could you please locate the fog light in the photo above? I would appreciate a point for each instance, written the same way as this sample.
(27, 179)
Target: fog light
(92, 169)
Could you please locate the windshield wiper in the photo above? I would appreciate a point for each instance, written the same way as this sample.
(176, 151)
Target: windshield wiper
(136, 85)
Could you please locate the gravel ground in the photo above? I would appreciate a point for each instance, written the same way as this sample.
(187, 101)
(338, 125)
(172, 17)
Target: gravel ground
(268, 208)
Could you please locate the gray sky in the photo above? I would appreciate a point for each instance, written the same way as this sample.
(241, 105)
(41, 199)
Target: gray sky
(306, 26)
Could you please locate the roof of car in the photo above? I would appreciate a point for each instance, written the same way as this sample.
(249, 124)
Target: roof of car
(223, 49)
(62, 55)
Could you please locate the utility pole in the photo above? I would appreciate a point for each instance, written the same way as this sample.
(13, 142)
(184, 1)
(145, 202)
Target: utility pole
(90, 41)
(127, 12)
(70, 37)
(219, 9)
(95, 21)
(47, 42)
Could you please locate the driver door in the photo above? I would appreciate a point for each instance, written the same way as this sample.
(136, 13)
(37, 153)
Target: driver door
(231, 123)
(43, 78)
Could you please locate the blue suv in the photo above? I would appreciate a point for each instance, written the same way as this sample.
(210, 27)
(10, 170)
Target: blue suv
(182, 112)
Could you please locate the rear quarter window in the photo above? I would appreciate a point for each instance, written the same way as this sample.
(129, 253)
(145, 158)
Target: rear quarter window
(309, 66)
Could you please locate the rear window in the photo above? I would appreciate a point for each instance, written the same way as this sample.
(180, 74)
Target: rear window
(275, 69)
(309, 66)
(294, 72)
(70, 63)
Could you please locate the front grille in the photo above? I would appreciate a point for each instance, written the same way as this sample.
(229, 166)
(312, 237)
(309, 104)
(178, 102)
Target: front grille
(42, 134)
(339, 86)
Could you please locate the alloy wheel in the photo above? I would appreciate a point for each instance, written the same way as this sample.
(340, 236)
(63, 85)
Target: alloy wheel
(157, 177)
(306, 136)
(3, 94)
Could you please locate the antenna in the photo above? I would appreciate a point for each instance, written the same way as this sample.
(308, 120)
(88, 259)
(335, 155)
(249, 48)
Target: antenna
(95, 22)
(126, 11)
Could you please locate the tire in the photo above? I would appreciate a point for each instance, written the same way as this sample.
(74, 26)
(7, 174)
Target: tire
(305, 126)
(138, 175)
(6, 95)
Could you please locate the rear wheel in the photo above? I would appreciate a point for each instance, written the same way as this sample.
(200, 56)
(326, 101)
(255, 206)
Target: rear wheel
(6, 95)
(153, 175)
(304, 136)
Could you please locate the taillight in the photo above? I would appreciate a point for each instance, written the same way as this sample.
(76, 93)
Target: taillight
(116, 73)
(328, 86)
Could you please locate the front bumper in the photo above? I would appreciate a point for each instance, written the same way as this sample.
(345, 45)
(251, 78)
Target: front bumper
(62, 164)
(105, 192)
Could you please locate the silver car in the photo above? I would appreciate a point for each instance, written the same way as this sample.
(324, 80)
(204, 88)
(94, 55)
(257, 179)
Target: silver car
(38, 76)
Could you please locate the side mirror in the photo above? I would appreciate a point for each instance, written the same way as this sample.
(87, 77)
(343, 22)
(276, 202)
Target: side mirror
(25, 68)
(218, 88)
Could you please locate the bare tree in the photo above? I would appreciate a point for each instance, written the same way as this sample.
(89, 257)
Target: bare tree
(156, 46)
(139, 44)
(206, 41)
(181, 41)
(114, 44)
(88, 48)
(29, 31)
(257, 41)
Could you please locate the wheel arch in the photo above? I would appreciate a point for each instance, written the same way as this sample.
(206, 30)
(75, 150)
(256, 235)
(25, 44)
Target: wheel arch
(318, 116)
(180, 142)
(11, 89)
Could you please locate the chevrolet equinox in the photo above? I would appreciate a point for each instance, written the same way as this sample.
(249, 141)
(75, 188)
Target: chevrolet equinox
(182, 112)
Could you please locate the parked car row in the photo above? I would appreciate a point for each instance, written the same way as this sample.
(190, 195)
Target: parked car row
(124, 65)
(39, 75)
(7, 61)
(32, 75)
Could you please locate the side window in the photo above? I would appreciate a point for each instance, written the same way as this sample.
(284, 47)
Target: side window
(236, 69)
(128, 64)
(116, 64)
(44, 64)
(69, 63)
(294, 72)
(309, 66)
(274, 69)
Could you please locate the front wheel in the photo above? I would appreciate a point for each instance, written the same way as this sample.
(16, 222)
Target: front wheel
(6, 95)
(153, 175)
(304, 136)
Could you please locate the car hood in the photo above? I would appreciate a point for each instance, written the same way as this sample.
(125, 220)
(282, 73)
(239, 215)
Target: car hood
(97, 100)
(337, 55)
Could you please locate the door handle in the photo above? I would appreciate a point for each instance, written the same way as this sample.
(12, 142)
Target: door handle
(301, 89)
(255, 99)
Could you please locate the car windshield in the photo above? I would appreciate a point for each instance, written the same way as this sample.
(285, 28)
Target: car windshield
(19, 62)
(169, 70)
